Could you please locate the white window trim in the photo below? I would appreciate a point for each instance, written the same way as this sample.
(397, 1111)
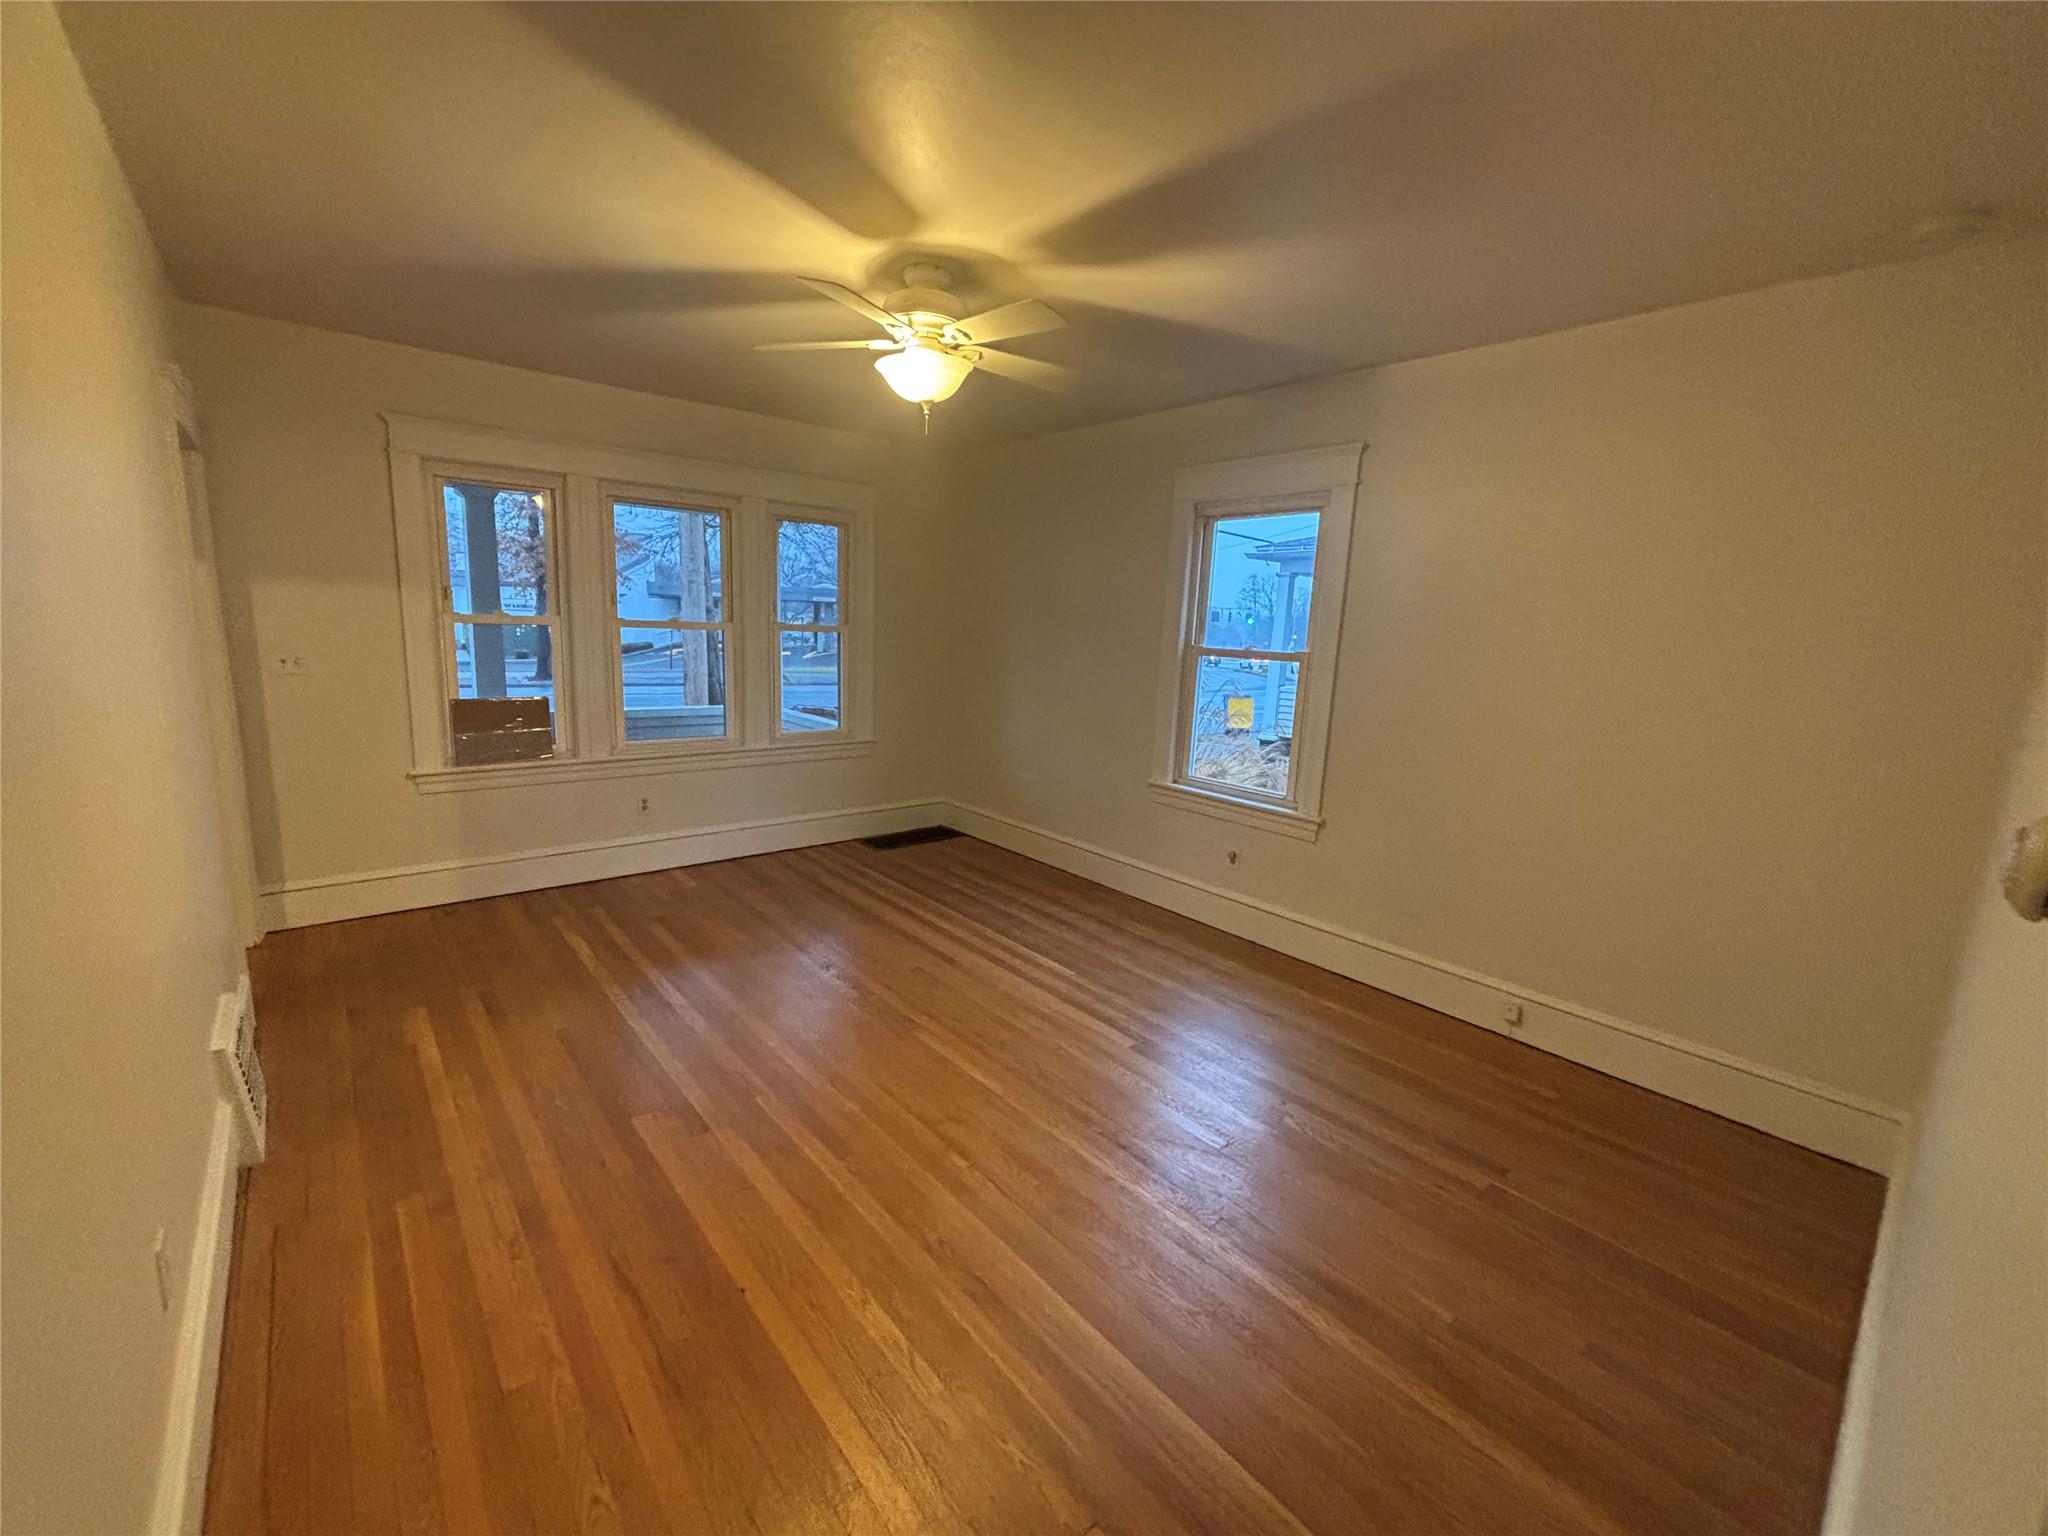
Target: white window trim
(587, 745)
(1323, 479)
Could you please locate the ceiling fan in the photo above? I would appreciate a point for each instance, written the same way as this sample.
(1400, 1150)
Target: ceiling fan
(930, 349)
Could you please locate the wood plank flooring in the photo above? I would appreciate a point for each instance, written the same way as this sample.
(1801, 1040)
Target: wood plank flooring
(936, 1190)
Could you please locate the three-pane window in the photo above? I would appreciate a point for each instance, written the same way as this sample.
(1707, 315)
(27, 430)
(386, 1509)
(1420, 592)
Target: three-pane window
(577, 611)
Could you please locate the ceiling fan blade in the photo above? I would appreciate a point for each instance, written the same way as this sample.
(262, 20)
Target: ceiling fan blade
(1026, 317)
(1025, 370)
(822, 346)
(841, 294)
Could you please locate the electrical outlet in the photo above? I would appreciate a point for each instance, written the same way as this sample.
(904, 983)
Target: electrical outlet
(1230, 857)
(644, 805)
(291, 666)
(1511, 1015)
(163, 1272)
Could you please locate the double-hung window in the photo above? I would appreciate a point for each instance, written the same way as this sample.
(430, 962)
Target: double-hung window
(670, 580)
(575, 611)
(810, 624)
(500, 615)
(1260, 548)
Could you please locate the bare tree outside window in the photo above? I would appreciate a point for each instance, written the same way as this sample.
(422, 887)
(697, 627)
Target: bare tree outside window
(807, 562)
(810, 621)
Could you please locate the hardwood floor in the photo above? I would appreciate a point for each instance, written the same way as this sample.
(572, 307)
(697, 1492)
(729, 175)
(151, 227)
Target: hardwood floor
(936, 1190)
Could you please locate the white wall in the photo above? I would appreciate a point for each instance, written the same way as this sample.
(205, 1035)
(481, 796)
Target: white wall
(300, 482)
(1946, 1426)
(1678, 661)
(117, 930)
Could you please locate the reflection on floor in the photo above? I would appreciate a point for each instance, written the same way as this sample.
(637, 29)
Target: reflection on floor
(934, 1190)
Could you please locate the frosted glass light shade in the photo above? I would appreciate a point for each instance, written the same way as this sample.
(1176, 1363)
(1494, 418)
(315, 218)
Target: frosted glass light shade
(922, 373)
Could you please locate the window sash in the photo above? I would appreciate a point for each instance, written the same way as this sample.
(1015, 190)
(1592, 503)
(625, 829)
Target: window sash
(1205, 555)
(780, 626)
(727, 626)
(666, 502)
(551, 538)
(452, 658)
(785, 518)
(442, 475)
(1193, 650)
(732, 734)
(1184, 742)
(781, 732)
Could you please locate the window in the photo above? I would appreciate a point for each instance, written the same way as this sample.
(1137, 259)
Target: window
(1260, 548)
(1257, 574)
(499, 623)
(809, 621)
(674, 631)
(575, 611)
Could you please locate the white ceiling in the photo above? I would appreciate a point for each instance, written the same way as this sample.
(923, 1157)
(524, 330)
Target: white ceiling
(1218, 197)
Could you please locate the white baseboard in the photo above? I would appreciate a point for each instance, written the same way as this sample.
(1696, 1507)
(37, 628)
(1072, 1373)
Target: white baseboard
(188, 1426)
(1796, 1109)
(298, 903)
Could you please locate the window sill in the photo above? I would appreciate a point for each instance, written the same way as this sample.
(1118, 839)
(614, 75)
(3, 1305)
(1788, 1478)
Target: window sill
(441, 781)
(1267, 818)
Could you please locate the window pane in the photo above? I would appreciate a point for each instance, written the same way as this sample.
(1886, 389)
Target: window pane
(810, 680)
(497, 548)
(496, 664)
(668, 563)
(673, 683)
(1243, 722)
(1259, 573)
(807, 573)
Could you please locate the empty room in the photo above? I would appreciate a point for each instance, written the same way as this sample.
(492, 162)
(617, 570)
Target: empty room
(991, 769)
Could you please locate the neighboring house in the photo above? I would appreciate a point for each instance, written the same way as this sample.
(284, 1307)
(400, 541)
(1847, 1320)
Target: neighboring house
(650, 588)
(809, 602)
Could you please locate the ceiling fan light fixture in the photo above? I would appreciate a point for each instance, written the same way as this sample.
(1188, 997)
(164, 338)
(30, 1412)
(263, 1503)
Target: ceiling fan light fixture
(923, 373)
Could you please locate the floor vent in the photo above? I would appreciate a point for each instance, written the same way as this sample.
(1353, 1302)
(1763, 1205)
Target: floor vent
(914, 835)
(239, 1069)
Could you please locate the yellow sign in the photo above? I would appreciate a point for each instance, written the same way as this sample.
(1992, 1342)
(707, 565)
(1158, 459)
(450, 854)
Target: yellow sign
(1239, 717)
